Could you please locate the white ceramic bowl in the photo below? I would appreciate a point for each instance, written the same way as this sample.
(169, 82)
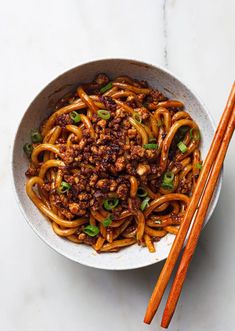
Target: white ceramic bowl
(134, 256)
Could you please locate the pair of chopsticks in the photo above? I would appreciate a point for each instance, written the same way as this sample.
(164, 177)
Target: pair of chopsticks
(198, 206)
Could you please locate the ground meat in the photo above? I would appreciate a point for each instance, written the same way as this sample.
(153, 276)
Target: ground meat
(95, 86)
(143, 169)
(109, 103)
(81, 236)
(63, 120)
(137, 153)
(74, 208)
(120, 164)
(102, 123)
(46, 187)
(107, 185)
(132, 133)
(66, 213)
(140, 98)
(93, 179)
(143, 112)
(103, 185)
(67, 154)
(78, 209)
(32, 171)
(101, 79)
(122, 191)
(99, 168)
(89, 240)
(151, 154)
(185, 187)
(156, 95)
(84, 196)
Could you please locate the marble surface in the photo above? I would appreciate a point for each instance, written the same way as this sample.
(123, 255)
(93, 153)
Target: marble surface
(41, 290)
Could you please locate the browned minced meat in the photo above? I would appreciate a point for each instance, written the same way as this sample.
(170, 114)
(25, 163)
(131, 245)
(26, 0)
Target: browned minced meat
(156, 96)
(103, 165)
(32, 171)
(63, 120)
(95, 86)
(109, 103)
(185, 186)
(100, 168)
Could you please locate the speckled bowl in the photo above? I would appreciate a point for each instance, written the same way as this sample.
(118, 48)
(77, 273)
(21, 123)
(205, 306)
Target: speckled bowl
(134, 256)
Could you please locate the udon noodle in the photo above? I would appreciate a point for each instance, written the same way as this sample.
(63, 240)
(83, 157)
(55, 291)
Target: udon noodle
(115, 164)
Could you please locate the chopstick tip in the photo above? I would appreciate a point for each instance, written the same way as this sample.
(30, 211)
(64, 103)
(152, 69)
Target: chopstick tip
(147, 320)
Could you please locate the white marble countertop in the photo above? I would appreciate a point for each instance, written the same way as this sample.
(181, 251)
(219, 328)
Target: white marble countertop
(41, 290)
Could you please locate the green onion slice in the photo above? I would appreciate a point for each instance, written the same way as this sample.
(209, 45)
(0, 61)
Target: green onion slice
(141, 192)
(75, 116)
(28, 148)
(150, 146)
(110, 204)
(198, 166)
(168, 179)
(159, 123)
(144, 203)
(64, 187)
(137, 118)
(195, 133)
(182, 147)
(106, 88)
(91, 230)
(103, 113)
(169, 186)
(108, 221)
(36, 136)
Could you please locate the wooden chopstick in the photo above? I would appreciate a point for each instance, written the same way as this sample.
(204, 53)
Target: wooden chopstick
(180, 238)
(197, 226)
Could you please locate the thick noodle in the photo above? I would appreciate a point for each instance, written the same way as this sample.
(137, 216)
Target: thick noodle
(116, 165)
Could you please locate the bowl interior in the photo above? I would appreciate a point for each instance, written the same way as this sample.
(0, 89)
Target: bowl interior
(134, 256)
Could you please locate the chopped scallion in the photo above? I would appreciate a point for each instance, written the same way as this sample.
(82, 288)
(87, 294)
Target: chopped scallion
(144, 203)
(103, 113)
(91, 230)
(108, 221)
(110, 204)
(137, 118)
(150, 146)
(64, 187)
(198, 166)
(28, 148)
(182, 147)
(106, 88)
(168, 179)
(141, 192)
(36, 136)
(75, 116)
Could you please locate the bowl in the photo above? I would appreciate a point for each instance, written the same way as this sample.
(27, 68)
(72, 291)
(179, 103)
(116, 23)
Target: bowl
(133, 256)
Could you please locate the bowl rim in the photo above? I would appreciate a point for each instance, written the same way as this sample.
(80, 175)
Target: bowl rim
(20, 121)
